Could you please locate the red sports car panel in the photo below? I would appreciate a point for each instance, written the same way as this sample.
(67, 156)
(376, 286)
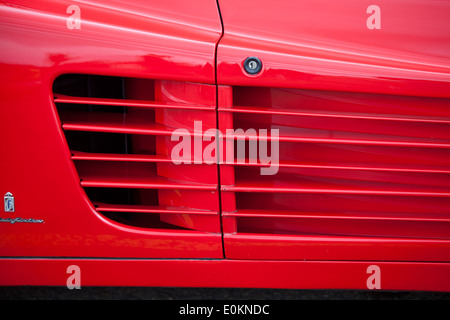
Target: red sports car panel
(293, 144)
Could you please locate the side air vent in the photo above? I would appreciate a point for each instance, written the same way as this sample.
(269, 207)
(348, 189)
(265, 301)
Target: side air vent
(119, 134)
(352, 166)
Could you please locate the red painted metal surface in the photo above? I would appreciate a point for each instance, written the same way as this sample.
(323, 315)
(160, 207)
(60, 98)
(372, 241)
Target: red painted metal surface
(134, 40)
(228, 273)
(363, 120)
(327, 45)
(364, 144)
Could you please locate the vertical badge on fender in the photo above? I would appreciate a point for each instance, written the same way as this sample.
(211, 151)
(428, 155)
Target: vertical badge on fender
(9, 202)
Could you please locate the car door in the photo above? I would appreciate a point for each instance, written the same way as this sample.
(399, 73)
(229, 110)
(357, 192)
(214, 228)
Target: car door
(348, 103)
(91, 94)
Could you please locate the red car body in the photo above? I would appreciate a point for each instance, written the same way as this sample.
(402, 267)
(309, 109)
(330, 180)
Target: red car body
(91, 92)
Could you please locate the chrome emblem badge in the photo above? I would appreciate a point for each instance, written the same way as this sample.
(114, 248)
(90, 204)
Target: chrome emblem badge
(9, 202)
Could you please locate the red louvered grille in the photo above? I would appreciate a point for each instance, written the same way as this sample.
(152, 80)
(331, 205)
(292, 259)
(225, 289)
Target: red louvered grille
(355, 170)
(358, 176)
(119, 133)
